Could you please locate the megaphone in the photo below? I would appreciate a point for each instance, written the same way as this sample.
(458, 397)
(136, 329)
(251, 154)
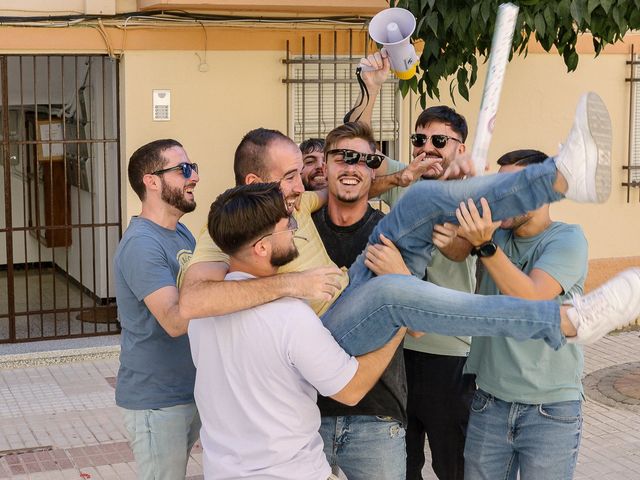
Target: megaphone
(393, 28)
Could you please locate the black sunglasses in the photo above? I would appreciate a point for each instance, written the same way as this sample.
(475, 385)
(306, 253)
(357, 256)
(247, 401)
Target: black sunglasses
(438, 141)
(186, 168)
(351, 157)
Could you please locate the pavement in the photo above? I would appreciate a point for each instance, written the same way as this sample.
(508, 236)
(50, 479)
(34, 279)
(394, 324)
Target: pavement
(58, 419)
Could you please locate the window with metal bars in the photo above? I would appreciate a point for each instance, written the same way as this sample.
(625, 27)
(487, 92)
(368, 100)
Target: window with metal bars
(322, 90)
(632, 169)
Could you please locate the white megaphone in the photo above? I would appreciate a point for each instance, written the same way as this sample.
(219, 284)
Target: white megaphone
(393, 28)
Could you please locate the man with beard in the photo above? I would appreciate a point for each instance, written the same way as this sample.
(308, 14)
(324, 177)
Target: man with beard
(367, 440)
(258, 369)
(439, 394)
(367, 314)
(527, 413)
(314, 176)
(156, 377)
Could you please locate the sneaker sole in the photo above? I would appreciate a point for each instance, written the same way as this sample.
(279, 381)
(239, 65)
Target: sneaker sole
(599, 124)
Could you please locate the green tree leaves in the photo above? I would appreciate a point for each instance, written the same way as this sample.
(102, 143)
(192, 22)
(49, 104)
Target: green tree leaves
(456, 33)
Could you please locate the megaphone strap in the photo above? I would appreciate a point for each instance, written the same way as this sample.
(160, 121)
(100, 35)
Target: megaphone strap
(364, 92)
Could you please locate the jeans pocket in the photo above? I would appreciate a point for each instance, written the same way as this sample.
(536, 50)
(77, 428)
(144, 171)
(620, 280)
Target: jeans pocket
(565, 412)
(396, 430)
(481, 401)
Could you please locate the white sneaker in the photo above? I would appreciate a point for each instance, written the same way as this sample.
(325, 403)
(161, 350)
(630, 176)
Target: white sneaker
(610, 306)
(585, 158)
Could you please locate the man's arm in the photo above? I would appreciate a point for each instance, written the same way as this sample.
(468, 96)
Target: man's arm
(204, 292)
(163, 305)
(510, 280)
(373, 80)
(370, 367)
(445, 238)
(419, 166)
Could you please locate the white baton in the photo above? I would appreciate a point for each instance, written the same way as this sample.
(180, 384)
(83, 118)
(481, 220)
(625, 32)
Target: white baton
(498, 59)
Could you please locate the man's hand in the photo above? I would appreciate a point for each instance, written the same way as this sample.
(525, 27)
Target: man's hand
(316, 284)
(421, 166)
(462, 166)
(385, 258)
(444, 235)
(374, 79)
(476, 228)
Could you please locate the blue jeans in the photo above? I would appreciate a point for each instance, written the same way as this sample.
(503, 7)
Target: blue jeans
(371, 309)
(365, 447)
(161, 439)
(541, 441)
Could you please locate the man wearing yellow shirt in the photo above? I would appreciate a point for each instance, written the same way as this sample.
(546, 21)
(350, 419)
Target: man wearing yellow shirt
(366, 314)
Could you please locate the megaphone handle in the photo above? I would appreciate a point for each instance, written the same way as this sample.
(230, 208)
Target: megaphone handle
(364, 92)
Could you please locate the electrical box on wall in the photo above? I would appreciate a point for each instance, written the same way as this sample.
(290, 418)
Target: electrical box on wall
(161, 105)
(100, 7)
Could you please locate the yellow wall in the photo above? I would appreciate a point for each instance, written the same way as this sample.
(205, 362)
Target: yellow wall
(210, 112)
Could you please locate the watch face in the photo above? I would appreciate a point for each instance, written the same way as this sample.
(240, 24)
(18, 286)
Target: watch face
(487, 249)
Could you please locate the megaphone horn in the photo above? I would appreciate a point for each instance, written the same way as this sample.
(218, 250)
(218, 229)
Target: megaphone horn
(393, 28)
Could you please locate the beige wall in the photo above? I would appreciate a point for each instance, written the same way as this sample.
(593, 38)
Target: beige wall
(210, 112)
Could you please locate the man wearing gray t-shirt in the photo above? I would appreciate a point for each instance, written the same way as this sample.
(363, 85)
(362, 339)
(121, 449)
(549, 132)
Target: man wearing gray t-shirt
(526, 416)
(156, 377)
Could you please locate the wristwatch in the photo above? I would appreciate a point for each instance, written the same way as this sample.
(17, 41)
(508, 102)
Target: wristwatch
(486, 250)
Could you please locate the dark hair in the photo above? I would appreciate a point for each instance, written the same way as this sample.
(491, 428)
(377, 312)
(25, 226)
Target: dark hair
(522, 158)
(147, 159)
(244, 213)
(444, 114)
(348, 131)
(311, 145)
(252, 151)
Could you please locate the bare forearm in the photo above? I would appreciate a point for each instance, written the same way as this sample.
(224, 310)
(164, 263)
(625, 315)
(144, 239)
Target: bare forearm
(458, 251)
(204, 298)
(364, 113)
(509, 279)
(385, 183)
(371, 366)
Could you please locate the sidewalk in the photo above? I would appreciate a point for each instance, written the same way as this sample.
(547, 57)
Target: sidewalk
(60, 422)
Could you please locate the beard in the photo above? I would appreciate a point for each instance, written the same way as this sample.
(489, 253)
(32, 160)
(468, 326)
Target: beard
(282, 257)
(175, 198)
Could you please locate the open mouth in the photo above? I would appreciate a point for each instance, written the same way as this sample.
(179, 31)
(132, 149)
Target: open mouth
(290, 202)
(319, 179)
(349, 181)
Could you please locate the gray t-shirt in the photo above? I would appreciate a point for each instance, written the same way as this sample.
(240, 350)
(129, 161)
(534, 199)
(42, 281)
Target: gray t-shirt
(156, 370)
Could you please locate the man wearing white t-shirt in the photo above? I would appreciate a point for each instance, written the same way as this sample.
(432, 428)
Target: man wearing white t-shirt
(259, 370)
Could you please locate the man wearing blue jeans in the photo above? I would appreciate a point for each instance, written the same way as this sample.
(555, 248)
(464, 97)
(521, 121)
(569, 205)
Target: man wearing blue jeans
(367, 441)
(156, 376)
(526, 415)
(371, 310)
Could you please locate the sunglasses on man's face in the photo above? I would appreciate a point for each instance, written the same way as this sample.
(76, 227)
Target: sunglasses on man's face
(438, 141)
(186, 168)
(351, 157)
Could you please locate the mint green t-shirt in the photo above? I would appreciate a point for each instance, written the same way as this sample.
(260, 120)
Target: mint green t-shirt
(442, 272)
(531, 372)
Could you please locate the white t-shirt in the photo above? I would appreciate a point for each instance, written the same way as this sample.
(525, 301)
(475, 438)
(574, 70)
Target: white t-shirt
(256, 380)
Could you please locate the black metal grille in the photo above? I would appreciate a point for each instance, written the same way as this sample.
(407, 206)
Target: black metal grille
(60, 220)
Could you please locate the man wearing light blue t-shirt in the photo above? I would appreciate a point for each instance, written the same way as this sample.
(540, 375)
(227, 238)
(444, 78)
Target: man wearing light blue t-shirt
(526, 415)
(156, 377)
